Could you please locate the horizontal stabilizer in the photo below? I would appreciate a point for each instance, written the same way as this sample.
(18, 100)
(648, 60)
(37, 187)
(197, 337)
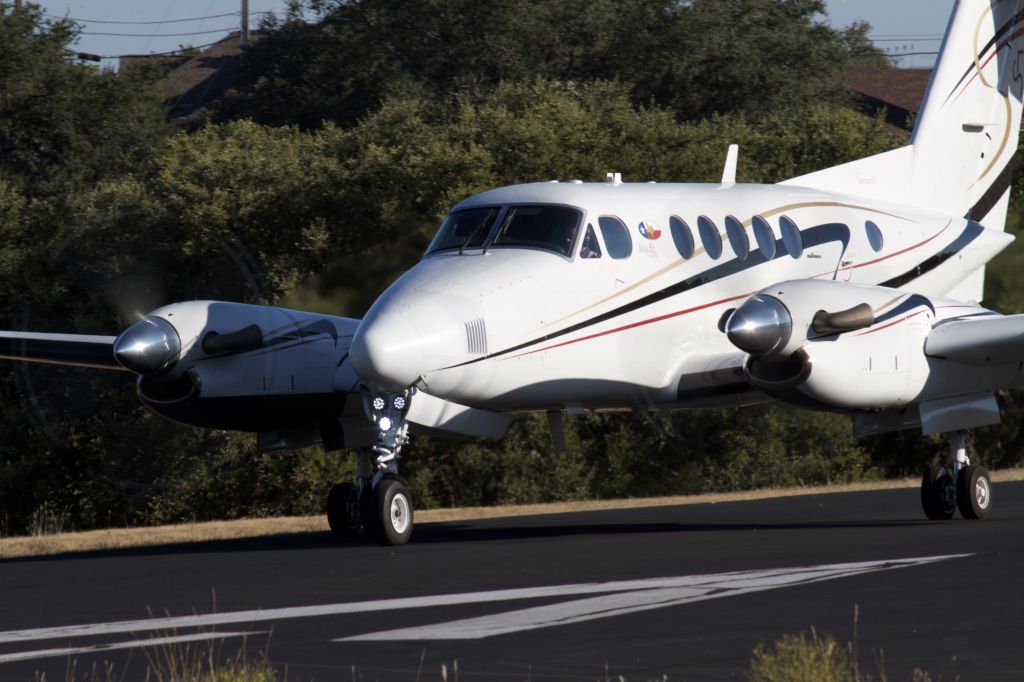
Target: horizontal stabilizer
(884, 177)
(77, 350)
(978, 341)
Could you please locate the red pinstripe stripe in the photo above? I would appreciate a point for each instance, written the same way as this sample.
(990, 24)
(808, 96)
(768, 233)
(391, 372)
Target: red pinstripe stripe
(886, 326)
(637, 324)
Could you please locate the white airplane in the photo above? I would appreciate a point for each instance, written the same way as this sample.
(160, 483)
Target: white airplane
(853, 289)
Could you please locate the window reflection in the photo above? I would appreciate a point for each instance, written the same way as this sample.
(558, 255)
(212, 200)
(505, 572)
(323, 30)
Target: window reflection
(590, 247)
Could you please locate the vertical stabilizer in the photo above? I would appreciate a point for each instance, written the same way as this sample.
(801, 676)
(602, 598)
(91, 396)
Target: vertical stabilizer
(961, 155)
(967, 132)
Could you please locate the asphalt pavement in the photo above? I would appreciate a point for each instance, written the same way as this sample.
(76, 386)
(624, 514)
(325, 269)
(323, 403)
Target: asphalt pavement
(685, 592)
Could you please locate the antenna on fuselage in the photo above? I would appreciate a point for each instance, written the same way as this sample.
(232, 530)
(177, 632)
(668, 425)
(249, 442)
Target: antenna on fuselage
(729, 172)
(613, 178)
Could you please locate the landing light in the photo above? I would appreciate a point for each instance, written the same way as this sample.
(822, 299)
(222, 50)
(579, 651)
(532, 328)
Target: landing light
(378, 403)
(384, 423)
(399, 402)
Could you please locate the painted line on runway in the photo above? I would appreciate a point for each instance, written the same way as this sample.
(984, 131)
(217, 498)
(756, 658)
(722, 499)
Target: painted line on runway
(113, 646)
(737, 580)
(622, 603)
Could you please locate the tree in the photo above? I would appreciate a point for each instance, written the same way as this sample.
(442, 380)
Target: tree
(62, 122)
(695, 58)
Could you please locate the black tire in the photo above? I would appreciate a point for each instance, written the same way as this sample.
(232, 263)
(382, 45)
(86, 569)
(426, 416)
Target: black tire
(937, 494)
(390, 511)
(342, 510)
(974, 492)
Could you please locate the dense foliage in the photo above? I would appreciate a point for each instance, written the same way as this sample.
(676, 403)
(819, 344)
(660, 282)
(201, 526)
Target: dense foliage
(696, 58)
(106, 212)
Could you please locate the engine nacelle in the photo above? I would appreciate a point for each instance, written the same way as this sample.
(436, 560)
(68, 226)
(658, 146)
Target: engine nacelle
(834, 345)
(243, 367)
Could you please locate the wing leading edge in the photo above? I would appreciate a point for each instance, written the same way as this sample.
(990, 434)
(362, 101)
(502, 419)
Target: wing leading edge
(978, 340)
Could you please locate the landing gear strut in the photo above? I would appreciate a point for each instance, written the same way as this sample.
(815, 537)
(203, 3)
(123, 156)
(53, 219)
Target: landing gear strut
(378, 501)
(965, 486)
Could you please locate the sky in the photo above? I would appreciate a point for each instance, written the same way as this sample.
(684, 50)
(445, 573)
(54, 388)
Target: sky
(899, 26)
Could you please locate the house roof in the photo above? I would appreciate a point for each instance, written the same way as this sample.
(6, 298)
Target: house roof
(899, 92)
(199, 80)
(902, 88)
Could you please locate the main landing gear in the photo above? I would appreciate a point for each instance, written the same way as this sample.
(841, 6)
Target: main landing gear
(377, 502)
(965, 486)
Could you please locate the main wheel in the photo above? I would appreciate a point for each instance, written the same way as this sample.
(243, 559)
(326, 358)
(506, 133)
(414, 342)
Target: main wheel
(388, 513)
(974, 492)
(937, 494)
(342, 510)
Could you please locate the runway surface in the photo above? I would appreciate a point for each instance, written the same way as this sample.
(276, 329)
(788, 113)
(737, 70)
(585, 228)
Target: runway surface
(684, 592)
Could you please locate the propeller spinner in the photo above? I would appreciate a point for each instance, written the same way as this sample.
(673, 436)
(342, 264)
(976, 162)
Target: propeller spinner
(760, 326)
(148, 346)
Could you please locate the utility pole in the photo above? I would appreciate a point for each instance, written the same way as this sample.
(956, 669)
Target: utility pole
(245, 22)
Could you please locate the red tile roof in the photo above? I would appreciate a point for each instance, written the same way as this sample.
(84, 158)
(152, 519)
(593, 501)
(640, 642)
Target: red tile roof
(897, 88)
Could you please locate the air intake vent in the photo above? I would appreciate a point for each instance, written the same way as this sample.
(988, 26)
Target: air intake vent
(476, 337)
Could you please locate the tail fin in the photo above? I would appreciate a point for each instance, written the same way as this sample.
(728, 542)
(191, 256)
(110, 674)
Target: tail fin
(961, 154)
(967, 131)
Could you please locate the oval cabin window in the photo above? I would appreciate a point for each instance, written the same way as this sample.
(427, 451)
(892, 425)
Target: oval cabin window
(764, 237)
(791, 238)
(874, 236)
(709, 237)
(737, 237)
(681, 236)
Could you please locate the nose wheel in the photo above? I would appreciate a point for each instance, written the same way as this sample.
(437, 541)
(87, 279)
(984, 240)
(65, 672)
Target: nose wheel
(378, 503)
(387, 513)
(384, 512)
(963, 486)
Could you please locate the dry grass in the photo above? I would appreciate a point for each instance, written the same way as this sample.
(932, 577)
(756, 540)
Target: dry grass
(120, 538)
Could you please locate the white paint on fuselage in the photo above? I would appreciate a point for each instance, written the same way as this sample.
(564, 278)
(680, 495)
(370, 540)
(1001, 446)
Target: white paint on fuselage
(620, 350)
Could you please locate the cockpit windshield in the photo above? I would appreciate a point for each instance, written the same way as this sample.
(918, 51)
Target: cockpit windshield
(552, 228)
(466, 229)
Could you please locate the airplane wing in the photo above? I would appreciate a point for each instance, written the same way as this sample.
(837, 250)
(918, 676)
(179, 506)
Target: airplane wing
(978, 340)
(77, 350)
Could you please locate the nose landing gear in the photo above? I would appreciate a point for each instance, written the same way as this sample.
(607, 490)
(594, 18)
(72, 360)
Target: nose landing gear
(378, 502)
(965, 486)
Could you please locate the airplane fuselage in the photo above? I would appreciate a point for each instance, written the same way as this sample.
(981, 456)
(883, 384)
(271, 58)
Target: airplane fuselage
(527, 324)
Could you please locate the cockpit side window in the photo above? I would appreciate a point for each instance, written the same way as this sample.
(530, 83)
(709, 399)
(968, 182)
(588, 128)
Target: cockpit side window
(616, 236)
(590, 247)
(552, 228)
(465, 229)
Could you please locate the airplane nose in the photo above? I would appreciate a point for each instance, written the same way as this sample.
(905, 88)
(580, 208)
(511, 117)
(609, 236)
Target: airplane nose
(760, 326)
(387, 352)
(148, 346)
(412, 335)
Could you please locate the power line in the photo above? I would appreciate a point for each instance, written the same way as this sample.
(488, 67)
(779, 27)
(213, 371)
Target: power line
(181, 52)
(159, 35)
(904, 40)
(144, 23)
(908, 35)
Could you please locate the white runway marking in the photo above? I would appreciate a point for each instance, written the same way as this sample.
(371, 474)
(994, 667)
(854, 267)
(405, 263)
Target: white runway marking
(621, 603)
(627, 596)
(112, 646)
